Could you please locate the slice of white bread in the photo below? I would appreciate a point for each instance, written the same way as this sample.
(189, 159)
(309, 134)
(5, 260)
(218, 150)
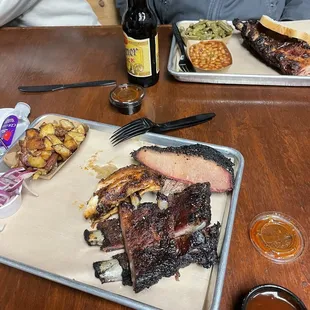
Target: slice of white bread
(292, 29)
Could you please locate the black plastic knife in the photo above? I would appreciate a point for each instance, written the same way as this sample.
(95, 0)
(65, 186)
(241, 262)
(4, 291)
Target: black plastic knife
(45, 88)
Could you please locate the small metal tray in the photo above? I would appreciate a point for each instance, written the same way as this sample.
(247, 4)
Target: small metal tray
(213, 294)
(245, 70)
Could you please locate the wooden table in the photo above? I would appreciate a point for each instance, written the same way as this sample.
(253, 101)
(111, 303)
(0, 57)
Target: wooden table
(269, 125)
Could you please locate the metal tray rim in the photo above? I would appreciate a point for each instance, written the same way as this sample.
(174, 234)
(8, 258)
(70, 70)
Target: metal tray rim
(125, 300)
(229, 78)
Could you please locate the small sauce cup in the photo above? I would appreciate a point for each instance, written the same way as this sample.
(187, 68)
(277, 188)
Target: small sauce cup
(272, 297)
(127, 98)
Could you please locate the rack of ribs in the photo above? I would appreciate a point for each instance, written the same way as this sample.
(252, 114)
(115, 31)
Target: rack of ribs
(199, 247)
(288, 55)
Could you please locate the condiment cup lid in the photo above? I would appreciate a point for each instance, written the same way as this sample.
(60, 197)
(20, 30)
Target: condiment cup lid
(127, 98)
(277, 237)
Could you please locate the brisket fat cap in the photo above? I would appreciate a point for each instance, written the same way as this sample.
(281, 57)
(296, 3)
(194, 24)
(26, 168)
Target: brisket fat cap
(189, 164)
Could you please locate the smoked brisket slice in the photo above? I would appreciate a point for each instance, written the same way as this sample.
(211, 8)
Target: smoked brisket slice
(189, 164)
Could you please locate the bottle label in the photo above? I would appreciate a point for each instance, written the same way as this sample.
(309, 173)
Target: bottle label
(138, 56)
(157, 53)
(8, 129)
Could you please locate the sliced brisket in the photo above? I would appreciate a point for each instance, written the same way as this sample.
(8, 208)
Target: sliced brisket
(189, 164)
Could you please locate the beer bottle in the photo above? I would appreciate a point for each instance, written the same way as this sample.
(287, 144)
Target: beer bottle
(141, 43)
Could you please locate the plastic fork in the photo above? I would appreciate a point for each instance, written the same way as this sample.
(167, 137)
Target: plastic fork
(184, 63)
(143, 125)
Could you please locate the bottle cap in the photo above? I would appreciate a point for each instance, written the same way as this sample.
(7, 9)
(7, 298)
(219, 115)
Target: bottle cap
(277, 236)
(23, 108)
(127, 98)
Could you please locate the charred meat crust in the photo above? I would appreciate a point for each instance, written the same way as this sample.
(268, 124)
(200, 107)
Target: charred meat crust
(199, 150)
(148, 234)
(288, 55)
(199, 247)
(113, 239)
(191, 207)
(124, 263)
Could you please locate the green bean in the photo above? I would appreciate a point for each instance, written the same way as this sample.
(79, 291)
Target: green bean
(207, 29)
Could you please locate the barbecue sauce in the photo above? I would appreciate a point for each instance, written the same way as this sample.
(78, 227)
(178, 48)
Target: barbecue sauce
(141, 43)
(277, 237)
(272, 301)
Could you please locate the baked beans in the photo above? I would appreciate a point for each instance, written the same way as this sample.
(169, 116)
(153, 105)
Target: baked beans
(210, 55)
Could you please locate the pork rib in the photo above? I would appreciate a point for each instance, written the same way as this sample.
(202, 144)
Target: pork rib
(199, 247)
(189, 164)
(191, 208)
(288, 55)
(108, 236)
(148, 237)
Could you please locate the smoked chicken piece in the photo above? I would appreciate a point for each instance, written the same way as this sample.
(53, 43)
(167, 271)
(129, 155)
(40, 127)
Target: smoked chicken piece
(189, 164)
(120, 185)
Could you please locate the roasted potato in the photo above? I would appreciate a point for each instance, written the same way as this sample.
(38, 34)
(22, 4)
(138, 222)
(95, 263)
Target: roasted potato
(64, 152)
(70, 143)
(78, 137)
(79, 129)
(32, 133)
(35, 144)
(60, 132)
(46, 154)
(35, 152)
(36, 161)
(38, 173)
(54, 139)
(47, 129)
(64, 123)
(48, 144)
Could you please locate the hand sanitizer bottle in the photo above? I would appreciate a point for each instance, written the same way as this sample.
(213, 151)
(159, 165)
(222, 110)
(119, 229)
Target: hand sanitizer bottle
(13, 126)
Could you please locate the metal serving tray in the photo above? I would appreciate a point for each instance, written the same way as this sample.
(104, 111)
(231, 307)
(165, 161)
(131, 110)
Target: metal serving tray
(246, 69)
(216, 281)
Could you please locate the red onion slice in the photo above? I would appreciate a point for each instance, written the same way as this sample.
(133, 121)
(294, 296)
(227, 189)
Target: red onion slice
(11, 184)
(15, 172)
(4, 197)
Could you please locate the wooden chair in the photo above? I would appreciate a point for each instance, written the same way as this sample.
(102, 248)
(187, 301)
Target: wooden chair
(105, 11)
